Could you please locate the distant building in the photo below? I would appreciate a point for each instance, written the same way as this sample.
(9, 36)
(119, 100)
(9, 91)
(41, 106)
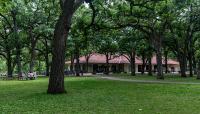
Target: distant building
(97, 64)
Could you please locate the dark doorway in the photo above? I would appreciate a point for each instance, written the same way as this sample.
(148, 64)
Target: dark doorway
(95, 68)
(155, 68)
(114, 68)
(139, 68)
(121, 68)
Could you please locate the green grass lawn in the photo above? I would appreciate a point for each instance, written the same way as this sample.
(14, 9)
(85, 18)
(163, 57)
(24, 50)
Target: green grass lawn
(91, 95)
(168, 77)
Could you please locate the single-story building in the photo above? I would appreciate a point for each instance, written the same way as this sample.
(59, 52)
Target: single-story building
(97, 63)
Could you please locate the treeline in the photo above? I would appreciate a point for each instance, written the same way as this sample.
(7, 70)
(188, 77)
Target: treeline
(165, 28)
(26, 31)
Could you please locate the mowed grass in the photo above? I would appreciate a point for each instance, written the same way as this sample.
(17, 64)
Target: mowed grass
(90, 95)
(168, 77)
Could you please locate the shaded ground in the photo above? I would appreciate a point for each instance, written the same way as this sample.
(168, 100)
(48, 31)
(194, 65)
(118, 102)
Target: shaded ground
(168, 77)
(93, 95)
(147, 81)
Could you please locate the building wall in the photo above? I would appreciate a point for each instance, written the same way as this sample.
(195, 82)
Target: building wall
(127, 67)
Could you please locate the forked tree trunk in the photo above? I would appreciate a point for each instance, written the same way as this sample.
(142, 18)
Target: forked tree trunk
(56, 80)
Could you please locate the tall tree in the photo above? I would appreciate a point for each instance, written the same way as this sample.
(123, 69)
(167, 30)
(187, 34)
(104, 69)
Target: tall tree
(56, 80)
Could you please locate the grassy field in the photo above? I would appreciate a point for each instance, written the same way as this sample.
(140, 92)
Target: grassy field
(168, 77)
(91, 95)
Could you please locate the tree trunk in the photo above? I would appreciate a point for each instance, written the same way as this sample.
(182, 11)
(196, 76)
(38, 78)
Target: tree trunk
(132, 63)
(18, 59)
(46, 56)
(159, 57)
(107, 64)
(47, 64)
(194, 65)
(143, 64)
(190, 64)
(150, 66)
(9, 65)
(87, 63)
(182, 62)
(32, 60)
(72, 63)
(198, 70)
(39, 67)
(77, 64)
(166, 60)
(18, 45)
(56, 79)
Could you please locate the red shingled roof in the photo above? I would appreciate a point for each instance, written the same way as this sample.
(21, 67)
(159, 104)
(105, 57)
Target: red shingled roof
(100, 58)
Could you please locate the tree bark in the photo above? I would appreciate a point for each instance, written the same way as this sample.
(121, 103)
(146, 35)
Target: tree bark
(77, 64)
(132, 60)
(72, 63)
(107, 64)
(198, 70)
(194, 65)
(150, 66)
(87, 62)
(39, 67)
(159, 57)
(143, 64)
(56, 80)
(166, 62)
(18, 45)
(47, 64)
(33, 53)
(9, 65)
(18, 59)
(183, 63)
(190, 64)
(46, 56)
